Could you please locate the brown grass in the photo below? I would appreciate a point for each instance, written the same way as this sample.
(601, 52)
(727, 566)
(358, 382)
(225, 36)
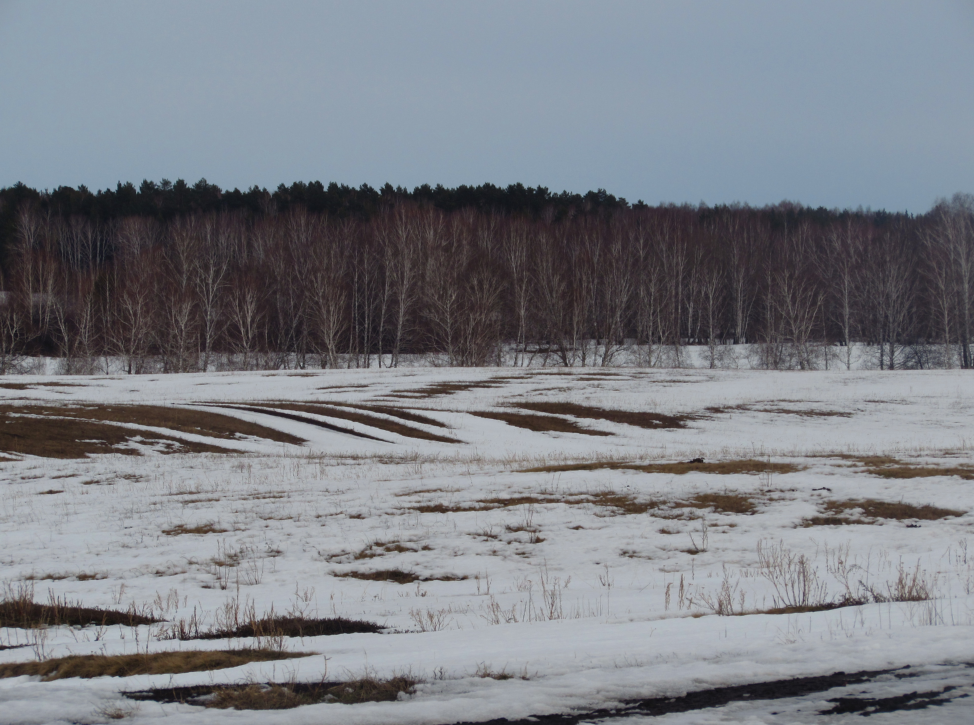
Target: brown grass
(257, 696)
(185, 420)
(355, 416)
(438, 389)
(906, 472)
(409, 415)
(719, 467)
(870, 511)
(724, 503)
(18, 609)
(35, 431)
(207, 528)
(303, 419)
(283, 696)
(159, 663)
(639, 419)
(899, 511)
(397, 576)
(540, 423)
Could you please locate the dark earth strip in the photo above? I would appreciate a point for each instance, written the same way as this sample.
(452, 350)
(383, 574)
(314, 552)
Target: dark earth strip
(302, 419)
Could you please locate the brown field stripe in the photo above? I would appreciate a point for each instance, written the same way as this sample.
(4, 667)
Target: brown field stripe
(302, 419)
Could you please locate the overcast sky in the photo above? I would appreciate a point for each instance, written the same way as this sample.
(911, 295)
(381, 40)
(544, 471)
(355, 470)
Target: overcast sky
(827, 103)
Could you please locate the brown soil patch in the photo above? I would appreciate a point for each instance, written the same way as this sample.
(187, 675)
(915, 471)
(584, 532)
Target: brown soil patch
(409, 415)
(160, 663)
(185, 420)
(55, 433)
(306, 420)
(356, 416)
(540, 423)
(642, 420)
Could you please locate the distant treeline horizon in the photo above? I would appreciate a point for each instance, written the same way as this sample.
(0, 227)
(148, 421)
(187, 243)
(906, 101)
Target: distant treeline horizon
(178, 277)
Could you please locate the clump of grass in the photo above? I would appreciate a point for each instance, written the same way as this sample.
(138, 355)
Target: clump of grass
(286, 695)
(18, 609)
(370, 688)
(838, 513)
(539, 423)
(258, 696)
(158, 663)
(725, 503)
(485, 671)
(652, 421)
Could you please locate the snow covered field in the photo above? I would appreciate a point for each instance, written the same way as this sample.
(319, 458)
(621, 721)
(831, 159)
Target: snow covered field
(526, 549)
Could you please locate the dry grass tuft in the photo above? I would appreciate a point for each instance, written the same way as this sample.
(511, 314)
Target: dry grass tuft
(159, 663)
(540, 423)
(653, 421)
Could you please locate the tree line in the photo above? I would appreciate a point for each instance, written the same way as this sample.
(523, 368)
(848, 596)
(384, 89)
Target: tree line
(176, 278)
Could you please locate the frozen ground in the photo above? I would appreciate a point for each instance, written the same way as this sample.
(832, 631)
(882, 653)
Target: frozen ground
(595, 587)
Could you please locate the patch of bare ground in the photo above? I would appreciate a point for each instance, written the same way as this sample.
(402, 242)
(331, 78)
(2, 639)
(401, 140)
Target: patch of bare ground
(303, 419)
(539, 423)
(59, 433)
(717, 467)
(185, 420)
(870, 511)
(199, 529)
(653, 421)
(446, 388)
(402, 413)
(397, 576)
(344, 412)
(28, 386)
(158, 663)
(18, 609)
(286, 695)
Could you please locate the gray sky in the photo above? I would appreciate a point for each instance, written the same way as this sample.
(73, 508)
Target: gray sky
(827, 103)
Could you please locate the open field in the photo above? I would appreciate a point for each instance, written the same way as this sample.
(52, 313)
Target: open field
(440, 546)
